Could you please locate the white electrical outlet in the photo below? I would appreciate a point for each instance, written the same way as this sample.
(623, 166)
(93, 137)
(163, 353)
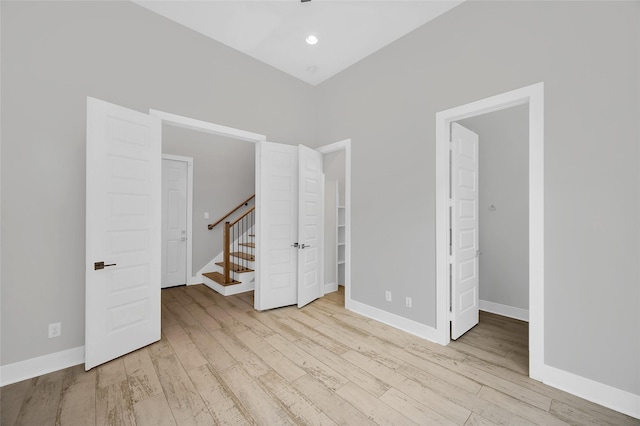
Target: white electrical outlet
(206, 215)
(55, 329)
(387, 296)
(408, 302)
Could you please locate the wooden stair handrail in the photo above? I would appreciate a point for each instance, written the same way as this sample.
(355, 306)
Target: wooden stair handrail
(213, 225)
(243, 216)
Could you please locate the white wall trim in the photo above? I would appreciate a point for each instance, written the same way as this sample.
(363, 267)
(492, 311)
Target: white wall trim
(330, 288)
(608, 396)
(504, 310)
(326, 149)
(205, 126)
(27, 369)
(189, 161)
(401, 323)
(534, 96)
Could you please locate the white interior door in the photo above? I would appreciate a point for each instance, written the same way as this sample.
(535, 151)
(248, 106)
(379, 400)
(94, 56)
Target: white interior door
(277, 200)
(310, 225)
(174, 222)
(464, 227)
(123, 231)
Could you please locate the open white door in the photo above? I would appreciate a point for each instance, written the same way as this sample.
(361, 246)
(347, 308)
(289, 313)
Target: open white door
(123, 231)
(277, 199)
(174, 222)
(310, 225)
(464, 230)
(290, 200)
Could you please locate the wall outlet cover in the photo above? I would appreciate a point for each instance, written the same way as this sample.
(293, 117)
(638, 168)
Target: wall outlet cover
(55, 329)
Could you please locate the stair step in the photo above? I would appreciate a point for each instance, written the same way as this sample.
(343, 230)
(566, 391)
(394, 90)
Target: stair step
(242, 255)
(248, 244)
(235, 268)
(219, 278)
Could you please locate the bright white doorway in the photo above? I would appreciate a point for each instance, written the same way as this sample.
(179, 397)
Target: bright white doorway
(177, 205)
(533, 96)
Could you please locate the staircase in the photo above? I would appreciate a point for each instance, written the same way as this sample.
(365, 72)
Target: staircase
(235, 266)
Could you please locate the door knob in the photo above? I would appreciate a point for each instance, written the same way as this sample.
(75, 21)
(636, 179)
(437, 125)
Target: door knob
(101, 265)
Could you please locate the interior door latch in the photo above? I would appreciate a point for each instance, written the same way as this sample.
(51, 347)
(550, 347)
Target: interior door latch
(101, 265)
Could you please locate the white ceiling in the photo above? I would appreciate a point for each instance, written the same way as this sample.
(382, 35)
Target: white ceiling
(274, 32)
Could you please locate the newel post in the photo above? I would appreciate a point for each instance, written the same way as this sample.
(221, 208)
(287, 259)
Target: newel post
(226, 246)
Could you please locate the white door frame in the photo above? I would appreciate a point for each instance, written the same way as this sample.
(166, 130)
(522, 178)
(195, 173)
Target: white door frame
(326, 149)
(189, 161)
(214, 129)
(534, 96)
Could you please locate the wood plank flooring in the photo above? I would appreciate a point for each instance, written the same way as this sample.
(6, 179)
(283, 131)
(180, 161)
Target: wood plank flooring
(221, 362)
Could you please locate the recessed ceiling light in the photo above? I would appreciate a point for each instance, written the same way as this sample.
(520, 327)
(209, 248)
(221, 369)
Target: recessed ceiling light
(311, 39)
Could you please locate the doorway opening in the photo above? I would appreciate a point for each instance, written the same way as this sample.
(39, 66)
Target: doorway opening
(533, 96)
(337, 169)
(500, 250)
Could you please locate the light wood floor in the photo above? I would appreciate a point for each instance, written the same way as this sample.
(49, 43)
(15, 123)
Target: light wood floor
(220, 362)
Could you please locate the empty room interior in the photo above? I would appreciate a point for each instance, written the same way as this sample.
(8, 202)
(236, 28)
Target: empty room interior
(320, 212)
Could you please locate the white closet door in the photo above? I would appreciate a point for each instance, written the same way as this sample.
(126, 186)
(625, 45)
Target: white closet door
(310, 225)
(277, 201)
(290, 204)
(465, 279)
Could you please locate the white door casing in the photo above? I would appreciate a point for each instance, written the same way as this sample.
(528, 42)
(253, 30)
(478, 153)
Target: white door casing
(464, 227)
(278, 225)
(174, 222)
(123, 227)
(310, 225)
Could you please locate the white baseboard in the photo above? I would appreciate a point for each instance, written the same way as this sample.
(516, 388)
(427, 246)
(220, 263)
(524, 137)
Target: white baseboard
(330, 288)
(393, 320)
(608, 396)
(27, 369)
(504, 310)
(231, 289)
(195, 280)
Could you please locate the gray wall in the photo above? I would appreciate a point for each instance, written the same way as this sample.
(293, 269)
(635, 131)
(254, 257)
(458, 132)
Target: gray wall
(54, 55)
(504, 184)
(587, 55)
(223, 177)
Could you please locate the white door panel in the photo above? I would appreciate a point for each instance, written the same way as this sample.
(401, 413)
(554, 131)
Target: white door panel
(310, 225)
(290, 200)
(123, 230)
(278, 196)
(464, 224)
(174, 222)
